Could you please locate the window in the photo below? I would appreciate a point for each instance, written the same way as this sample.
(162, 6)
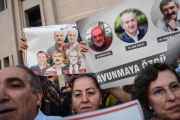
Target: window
(3, 5)
(6, 62)
(34, 17)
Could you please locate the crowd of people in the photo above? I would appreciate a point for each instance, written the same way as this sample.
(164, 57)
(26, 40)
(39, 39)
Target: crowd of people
(27, 96)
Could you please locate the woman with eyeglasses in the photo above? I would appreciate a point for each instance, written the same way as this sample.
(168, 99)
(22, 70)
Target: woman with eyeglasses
(157, 87)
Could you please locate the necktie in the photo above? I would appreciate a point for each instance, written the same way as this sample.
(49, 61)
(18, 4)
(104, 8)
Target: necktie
(73, 70)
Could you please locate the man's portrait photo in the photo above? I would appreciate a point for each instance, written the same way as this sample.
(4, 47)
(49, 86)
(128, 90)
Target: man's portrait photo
(74, 63)
(99, 36)
(58, 58)
(131, 26)
(41, 67)
(166, 16)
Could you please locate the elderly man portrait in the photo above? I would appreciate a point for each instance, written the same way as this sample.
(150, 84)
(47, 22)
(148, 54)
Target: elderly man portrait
(98, 37)
(132, 33)
(58, 58)
(41, 67)
(20, 95)
(74, 63)
(72, 36)
(171, 16)
(59, 39)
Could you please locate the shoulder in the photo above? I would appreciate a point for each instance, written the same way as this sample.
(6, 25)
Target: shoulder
(34, 67)
(108, 39)
(142, 30)
(50, 49)
(124, 36)
(50, 69)
(66, 67)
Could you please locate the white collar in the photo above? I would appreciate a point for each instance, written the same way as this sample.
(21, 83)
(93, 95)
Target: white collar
(132, 35)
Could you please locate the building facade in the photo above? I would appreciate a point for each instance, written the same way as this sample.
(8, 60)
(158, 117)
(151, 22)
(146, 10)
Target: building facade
(18, 14)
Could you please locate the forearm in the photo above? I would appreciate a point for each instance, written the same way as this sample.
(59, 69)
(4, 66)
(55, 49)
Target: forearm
(120, 94)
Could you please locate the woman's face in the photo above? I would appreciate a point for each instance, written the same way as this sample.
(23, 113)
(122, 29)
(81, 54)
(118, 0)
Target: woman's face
(167, 106)
(86, 96)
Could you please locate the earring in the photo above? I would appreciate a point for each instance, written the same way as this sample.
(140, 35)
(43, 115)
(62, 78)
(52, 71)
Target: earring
(150, 108)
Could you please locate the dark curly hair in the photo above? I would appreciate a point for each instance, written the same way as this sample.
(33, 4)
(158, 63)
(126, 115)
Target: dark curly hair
(145, 77)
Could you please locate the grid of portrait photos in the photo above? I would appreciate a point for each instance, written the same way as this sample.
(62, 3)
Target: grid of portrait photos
(54, 50)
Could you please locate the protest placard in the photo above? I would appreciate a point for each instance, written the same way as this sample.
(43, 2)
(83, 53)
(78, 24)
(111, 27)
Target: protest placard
(54, 50)
(128, 111)
(123, 39)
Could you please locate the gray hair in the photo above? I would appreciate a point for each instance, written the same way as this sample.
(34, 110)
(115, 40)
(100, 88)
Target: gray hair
(32, 78)
(74, 29)
(58, 51)
(79, 61)
(121, 20)
(165, 2)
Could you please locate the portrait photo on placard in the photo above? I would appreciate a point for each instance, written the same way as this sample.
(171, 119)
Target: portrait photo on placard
(165, 15)
(99, 36)
(131, 26)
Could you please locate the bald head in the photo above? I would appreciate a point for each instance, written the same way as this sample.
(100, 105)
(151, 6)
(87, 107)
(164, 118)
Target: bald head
(59, 37)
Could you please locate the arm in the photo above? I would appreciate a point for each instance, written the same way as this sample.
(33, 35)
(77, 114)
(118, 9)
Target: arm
(120, 94)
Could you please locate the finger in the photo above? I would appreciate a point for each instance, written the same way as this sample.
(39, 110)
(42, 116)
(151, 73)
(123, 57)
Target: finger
(84, 47)
(23, 38)
(24, 43)
(83, 43)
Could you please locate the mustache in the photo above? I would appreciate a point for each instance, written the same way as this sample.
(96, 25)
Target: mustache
(57, 60)
(170, 14)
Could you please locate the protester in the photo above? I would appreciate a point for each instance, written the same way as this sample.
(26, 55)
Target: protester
(63, 89)
(20, 95)
(86, 95)
(157, 87)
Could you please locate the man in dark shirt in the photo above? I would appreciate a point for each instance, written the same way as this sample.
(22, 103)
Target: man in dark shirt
(41, 67)
(59, 39)
(101, 42)
(132, 33)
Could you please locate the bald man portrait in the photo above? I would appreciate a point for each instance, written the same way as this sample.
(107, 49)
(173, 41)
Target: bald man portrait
(59, 39)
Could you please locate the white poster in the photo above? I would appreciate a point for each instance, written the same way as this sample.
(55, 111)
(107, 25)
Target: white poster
(128, 111)
(124, 38)
(54, 50)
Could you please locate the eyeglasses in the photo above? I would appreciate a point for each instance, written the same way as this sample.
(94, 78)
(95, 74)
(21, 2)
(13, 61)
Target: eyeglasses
(161, 92)
(100, 35)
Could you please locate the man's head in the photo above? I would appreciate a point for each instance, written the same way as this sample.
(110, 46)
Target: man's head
(41, 58)
(53, 78)
(72, 35)
(68, 87)
(20, 93)
(97, 36)
(73, 57)
(63, 89)
(129, 23)
(169, 9)
(59, 37)
(58, 57)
